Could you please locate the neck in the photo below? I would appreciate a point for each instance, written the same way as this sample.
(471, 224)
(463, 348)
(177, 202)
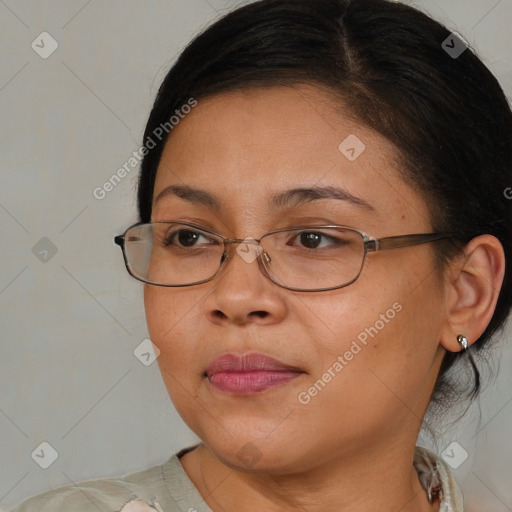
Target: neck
(369, 480)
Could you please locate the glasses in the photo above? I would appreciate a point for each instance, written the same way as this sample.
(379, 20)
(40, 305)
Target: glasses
(307, 258)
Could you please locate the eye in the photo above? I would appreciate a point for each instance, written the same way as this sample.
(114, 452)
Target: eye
(315, 240)
(187, 238)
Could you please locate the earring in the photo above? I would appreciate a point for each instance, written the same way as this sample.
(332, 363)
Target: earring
(462, 340)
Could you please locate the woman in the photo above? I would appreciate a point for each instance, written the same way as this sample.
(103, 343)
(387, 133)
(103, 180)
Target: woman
(290, 141)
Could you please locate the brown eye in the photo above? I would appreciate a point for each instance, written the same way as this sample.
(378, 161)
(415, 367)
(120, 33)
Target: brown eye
(310, 240)
(319, 240)
(188, 238)
(183, 238)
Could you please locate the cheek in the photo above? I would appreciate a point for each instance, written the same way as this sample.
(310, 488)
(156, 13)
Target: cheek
(385, 329)
(159, 310)
(168, 308)
(172, 320)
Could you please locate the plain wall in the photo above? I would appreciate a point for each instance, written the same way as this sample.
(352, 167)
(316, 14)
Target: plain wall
(70, 324)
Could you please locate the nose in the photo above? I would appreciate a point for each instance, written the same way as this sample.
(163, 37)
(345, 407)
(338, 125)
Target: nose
(242, 293)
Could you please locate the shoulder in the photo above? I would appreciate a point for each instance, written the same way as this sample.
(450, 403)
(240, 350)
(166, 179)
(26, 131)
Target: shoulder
(136, 492)
(437, 480)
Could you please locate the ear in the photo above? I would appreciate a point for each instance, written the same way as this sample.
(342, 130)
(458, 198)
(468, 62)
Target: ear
(473, 284)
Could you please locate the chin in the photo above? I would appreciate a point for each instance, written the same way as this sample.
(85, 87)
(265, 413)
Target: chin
(255, 454)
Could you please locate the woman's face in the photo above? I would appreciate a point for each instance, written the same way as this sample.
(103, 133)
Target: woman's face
(366, 356)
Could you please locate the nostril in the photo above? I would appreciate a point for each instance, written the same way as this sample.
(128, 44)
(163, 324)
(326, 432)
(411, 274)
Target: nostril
(260, 314)
(219, 314)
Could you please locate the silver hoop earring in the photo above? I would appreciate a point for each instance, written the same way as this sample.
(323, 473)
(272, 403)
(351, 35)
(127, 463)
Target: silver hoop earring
(463, 341)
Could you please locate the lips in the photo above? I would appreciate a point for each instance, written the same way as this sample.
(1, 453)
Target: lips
(249, 373)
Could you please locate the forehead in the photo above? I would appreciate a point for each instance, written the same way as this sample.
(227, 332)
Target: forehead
(247, 145)
(292, 123)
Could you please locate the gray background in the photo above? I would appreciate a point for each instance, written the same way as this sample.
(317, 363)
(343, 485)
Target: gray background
(70, 321)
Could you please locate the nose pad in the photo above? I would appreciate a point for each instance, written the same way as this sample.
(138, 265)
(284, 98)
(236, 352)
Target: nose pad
(264, 261)
(249, 250)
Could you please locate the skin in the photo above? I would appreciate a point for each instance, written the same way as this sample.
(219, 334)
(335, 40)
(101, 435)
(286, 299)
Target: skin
(351, 447)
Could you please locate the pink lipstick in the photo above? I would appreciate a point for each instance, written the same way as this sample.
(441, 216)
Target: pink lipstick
(249, 373)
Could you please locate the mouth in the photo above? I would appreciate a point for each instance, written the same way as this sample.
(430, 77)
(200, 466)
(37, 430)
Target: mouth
(249, 373)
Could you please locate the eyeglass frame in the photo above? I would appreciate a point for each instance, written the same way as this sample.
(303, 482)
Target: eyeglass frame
(370, 244)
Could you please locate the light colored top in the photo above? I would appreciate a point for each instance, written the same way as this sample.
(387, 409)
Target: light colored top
(167, 488)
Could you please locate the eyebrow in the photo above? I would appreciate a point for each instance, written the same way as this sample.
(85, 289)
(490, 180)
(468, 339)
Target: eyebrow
(289, 198)
(194, 195)
(298, 196)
